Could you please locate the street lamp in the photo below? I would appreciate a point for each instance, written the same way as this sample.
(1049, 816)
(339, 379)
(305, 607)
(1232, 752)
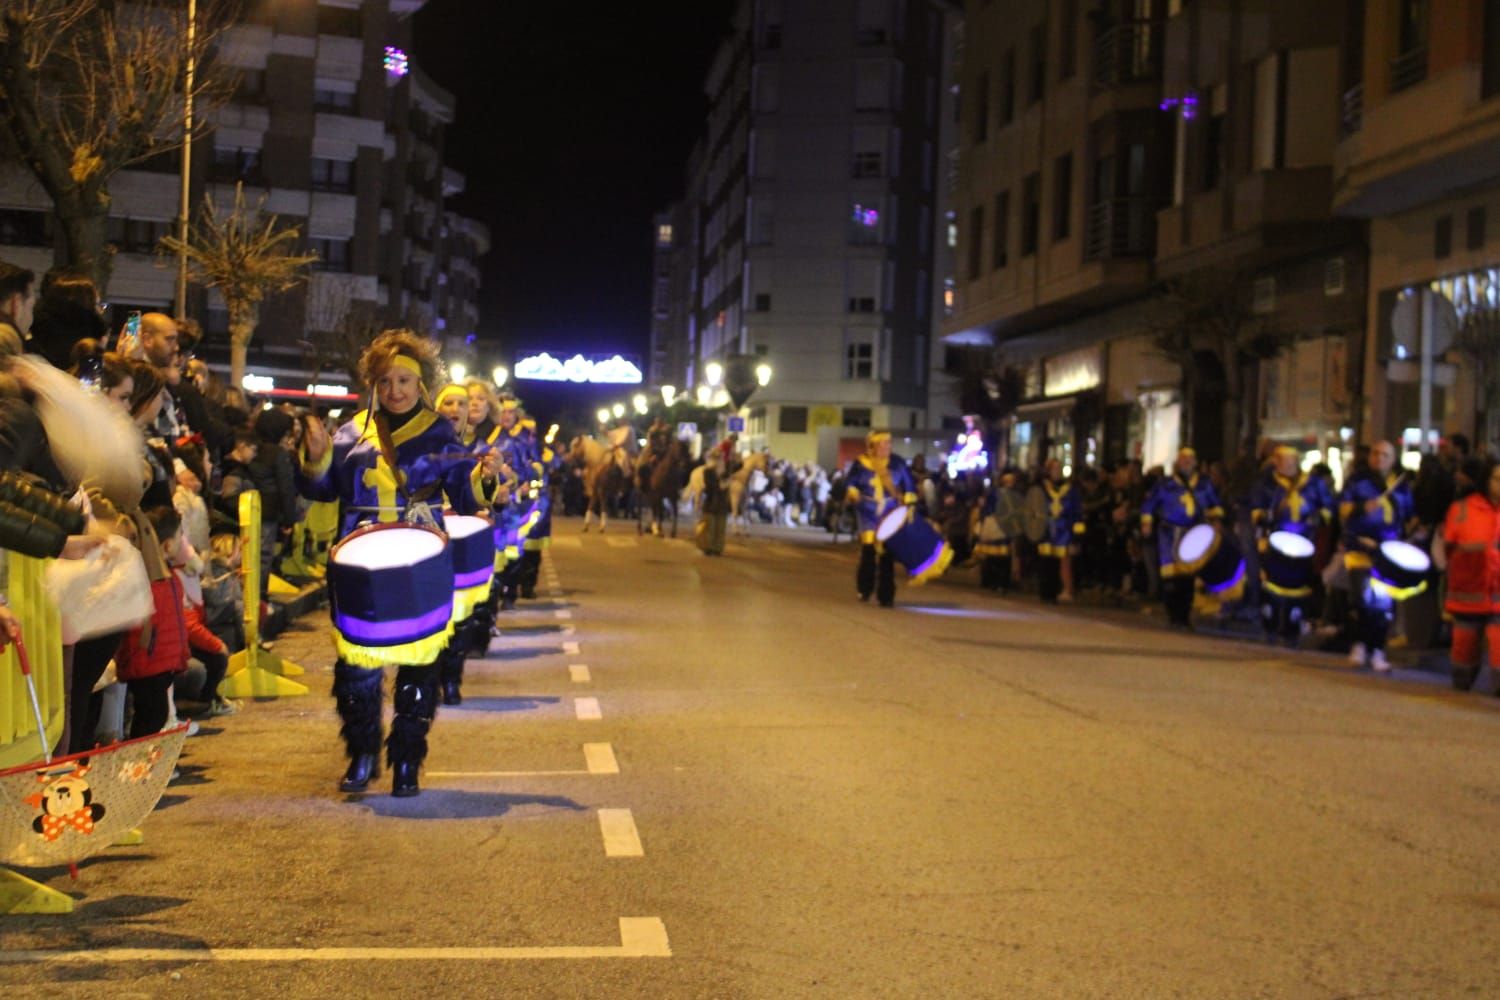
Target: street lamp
(763, 375)
(639, 402)
(501, 375)
(713, 372)
(705, 395)
(457, 371)
(603, 416)
(668, 394)
(619, 410)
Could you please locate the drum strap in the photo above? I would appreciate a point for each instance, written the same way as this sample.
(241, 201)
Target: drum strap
(388, 452)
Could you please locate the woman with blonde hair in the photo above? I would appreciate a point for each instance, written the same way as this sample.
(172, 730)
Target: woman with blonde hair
(391, 457)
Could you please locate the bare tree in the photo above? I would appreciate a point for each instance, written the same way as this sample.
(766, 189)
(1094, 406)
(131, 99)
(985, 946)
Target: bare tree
(339, 329)
(1208, 317)
(247, 255)
(89, 87)
(1478, 340)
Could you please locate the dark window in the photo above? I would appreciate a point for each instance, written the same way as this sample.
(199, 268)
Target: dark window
(976, 241)
(861, 303)
(792, 420)
(1001, 238)
(333, 100)
(868, 163)
(1038, 76)
(982, 108)
(1008, 87)
(136, 235)
(1031, 213)
(1213, 151)
(762, 302)
(1062, 197)
(1442, 237)
(770, 37)
(857, 416)
(339, 21)
(333, 254)
(22, 228)
(1474, 239)
(332, 175)
(1067, 42)
(233, 164)
(252, 85)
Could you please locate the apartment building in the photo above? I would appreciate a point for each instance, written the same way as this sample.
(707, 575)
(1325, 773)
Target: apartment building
(1109, 148)
(342, 133)
(812, 213)
(1419, 158)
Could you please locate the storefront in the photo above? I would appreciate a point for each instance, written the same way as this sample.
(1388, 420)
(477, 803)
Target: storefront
(1306, 402)
(1143, 404)
(1066, 421)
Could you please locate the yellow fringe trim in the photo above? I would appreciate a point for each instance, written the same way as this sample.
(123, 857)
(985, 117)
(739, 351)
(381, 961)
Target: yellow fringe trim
(466, 600)
(410, 654)
(934, 571)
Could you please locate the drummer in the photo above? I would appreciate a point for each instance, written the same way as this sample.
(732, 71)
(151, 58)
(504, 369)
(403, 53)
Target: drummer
(1286, 499)
(1179, 502)
(877, 482)
(1376, 506)
(516, 440)
(397, 453)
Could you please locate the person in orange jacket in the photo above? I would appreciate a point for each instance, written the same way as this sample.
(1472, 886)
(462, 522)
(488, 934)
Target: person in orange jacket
(1471, 535)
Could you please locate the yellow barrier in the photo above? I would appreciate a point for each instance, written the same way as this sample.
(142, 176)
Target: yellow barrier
(312, 537)
(253, 672)
(43, 635)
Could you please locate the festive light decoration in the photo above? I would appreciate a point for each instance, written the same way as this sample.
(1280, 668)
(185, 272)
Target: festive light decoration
(544, 367)
(396, 62)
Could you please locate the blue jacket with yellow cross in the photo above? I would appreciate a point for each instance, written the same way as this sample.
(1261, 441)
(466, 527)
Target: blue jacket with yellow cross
(1364, 530)
(429, 457)
(1300, 505)
(1175, 505)
(1065, 525)
(874, 485)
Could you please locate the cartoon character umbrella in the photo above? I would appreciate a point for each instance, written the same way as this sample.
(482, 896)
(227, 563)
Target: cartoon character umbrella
(66, 809)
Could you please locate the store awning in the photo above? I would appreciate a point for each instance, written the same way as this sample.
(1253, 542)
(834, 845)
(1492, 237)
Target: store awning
(1047, 409)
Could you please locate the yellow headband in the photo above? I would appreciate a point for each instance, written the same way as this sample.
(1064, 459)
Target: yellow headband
(452, 390)
(510, 404)
(875, 437)
(1285, 449)
(1190, 453)
(410, 364)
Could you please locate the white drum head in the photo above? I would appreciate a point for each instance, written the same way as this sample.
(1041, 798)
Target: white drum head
(1291, 544)
(1196, 543)
(464, 525)
(893, 521)
(1407, 556)
(390, 548)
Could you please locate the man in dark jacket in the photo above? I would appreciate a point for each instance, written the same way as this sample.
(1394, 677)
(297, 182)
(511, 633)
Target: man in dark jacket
(17, 301)
(271, 471)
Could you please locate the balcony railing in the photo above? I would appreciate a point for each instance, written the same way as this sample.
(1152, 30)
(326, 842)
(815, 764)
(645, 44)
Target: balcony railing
(1409, 68)
(1352, 110)
(1129, 52)
(1120, 227)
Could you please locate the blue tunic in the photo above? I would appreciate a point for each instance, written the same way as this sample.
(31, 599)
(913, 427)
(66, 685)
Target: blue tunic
(1178, 504)
(874, 487)
(1064, 518)
(1299, 505)
(1365, 530)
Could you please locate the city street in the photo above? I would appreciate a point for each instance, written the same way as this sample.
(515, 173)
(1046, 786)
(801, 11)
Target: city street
(677, 776)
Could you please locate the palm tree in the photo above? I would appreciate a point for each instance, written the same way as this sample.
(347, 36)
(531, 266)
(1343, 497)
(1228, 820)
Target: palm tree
(246, 255)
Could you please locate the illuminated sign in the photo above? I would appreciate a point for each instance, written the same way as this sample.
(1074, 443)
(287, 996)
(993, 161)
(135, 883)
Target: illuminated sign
(328, 390)
(396, 63)
(613, 370)
(258, 383)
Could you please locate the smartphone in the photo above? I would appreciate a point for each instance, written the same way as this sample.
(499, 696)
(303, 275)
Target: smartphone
(132, 325)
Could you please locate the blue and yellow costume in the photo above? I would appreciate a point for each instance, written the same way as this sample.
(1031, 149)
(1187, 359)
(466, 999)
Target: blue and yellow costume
(429, 464)
(875, 486)
(1364, 530)
(1298, 505)
(532, 459)
(1177, 503)
(1061, 509)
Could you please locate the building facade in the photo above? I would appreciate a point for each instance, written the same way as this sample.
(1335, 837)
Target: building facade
(343, 136)
(1121, 158)
(1419, 158)
(812, 210)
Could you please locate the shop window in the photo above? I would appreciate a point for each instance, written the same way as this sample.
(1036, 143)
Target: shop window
(792, 420)
(857, 416)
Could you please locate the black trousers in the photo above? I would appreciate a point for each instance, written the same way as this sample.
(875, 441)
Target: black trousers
(1177, 596)
(876, 575)
(359, 693)
(1049, 577)
(149, 696)
(1373, 611)
(994, 573)
(90, 657)
(1281, 615)
(531, 564)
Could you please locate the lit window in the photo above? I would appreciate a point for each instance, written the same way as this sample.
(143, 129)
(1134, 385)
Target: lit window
(867, 217)
(664, 235)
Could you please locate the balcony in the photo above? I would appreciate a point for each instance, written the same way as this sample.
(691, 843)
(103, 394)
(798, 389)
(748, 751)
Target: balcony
(1352, 110)
(1409, 68)
(1127, 53)
(1120, 227)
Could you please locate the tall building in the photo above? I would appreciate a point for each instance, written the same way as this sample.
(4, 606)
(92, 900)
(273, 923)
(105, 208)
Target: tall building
(813, 205)
(1419, 157)
(1109, 149)
(343, 135)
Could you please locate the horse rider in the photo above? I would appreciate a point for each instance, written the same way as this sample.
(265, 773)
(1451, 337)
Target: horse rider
(1179, 501)
(726, 454)
(1286, 499)
(1376, 506)
(658, 440)
(877, 482)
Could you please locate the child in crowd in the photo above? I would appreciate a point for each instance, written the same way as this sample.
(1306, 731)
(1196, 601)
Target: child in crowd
(223, 596)
(210, 650)
(150, 657)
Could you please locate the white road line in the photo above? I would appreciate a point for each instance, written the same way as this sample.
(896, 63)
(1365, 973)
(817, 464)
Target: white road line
(563, 613)
(640, 937)
(620, 837)
(587, 709)
(620, 543)
(580, 673)
(570, 648)
(598, 758)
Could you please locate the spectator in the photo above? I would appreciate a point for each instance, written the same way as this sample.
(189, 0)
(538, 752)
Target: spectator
(17, 303)
(151, 657)
(67, 312)
(1471, 535)
(271, 471)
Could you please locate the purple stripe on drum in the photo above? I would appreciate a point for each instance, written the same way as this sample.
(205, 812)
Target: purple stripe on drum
(931, 561)
(1230, 584)
(463, 581)
(391, 633)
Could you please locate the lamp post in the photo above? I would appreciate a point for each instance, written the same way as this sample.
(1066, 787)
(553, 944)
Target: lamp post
(668, 395)
(457, 371)
(180, 300)
(500, 375)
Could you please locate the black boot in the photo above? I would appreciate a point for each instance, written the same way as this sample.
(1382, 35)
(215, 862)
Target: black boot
(358, 695)
(407, 747)
(531, 564)
(450, 666)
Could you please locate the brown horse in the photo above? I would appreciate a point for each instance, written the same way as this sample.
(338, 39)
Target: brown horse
(660, 483)
(606, 476)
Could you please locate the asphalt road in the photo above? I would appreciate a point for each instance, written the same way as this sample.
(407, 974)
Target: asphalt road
(960, 797)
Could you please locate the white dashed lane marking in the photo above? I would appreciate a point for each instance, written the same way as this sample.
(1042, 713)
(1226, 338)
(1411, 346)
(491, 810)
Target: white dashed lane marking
(570, 648)
(620, 837)
(580, 673)
(587, 709)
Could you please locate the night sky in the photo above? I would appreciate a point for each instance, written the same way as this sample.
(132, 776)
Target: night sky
(574, 125)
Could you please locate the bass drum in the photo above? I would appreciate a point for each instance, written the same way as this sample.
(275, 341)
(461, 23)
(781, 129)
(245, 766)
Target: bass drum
(391, 590)
(1210, 553)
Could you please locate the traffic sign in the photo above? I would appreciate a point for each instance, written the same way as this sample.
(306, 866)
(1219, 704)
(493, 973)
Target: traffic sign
(736, 425)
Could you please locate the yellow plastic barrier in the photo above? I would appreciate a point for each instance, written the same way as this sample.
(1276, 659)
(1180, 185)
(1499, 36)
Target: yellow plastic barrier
(312, 538)
(254, 672)
(43, 634)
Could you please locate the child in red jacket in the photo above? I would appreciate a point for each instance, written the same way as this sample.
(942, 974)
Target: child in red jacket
(151, 657)
(205, 645)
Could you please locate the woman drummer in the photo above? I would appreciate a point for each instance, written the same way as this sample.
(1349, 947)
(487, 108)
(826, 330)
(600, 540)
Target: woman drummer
(397, 453)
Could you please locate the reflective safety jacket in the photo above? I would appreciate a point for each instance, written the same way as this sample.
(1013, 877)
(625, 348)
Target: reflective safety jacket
(1472, 536)
(874, 486)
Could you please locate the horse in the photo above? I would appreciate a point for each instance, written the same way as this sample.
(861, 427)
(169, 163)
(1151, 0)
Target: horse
(660, 483)
(739, 486)
(606, 475)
